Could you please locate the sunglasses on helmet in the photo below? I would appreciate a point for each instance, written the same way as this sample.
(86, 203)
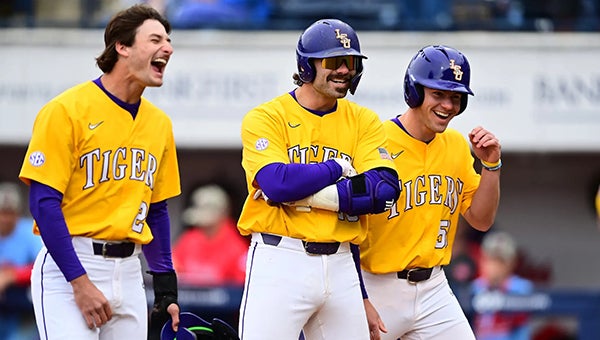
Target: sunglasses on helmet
(334, 63)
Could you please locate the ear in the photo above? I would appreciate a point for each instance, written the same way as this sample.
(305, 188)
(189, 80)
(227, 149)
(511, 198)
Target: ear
(122, 49)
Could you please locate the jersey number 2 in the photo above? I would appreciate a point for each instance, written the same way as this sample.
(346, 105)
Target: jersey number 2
(138, 222)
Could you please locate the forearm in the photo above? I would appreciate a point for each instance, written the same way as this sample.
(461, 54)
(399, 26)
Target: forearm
(45, 208)
(373, 191)
(292, 182)
(482, 213)
(158, 251)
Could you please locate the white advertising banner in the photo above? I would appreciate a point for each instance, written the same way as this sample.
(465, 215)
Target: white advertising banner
(536, 92)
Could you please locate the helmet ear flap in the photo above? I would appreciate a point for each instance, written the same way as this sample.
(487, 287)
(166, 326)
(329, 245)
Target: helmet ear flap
(356, 79)
(306, 70)
(464, 99)
(413, 92)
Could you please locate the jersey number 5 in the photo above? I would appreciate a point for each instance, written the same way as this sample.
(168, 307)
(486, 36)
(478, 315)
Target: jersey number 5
(442, 237)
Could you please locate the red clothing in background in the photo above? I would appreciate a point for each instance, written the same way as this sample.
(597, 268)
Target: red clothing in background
(215, 261)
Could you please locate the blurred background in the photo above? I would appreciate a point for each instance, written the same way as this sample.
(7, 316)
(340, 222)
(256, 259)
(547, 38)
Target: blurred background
(535, 76)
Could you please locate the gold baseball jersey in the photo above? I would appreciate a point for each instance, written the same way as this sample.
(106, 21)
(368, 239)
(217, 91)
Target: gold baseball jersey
(108, 166)
(437, 183)
(282, 131)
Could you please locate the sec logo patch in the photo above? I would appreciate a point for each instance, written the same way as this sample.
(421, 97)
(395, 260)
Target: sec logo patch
(262, 144)
(37, 158)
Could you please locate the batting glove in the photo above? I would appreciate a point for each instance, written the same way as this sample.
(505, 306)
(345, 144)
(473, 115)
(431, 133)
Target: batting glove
(261, 194)
(165, 293)
(347, 168)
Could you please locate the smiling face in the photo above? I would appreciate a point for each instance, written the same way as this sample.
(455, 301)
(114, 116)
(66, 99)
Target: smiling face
(332, 83)
(438, 108)
(148, 56)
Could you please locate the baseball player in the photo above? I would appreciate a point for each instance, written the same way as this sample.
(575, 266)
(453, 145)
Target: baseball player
(302, 212)
(101, 164)
(406, 248)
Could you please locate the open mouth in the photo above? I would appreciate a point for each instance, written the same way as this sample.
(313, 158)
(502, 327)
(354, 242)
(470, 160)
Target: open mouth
(442, 115)
(159, 64)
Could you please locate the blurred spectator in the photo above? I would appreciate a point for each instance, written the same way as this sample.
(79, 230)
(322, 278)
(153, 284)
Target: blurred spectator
(18, 250)
(17, 13)
(507, 14)
(210, 251)
(232, 14)
(425, 14)
(497, 265)
(553, 15)
(553, 331)
(463, 267)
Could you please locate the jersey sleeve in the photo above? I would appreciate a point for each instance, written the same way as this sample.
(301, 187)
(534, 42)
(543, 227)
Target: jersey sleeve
(372, 151)
(51, 153)
(261, 141)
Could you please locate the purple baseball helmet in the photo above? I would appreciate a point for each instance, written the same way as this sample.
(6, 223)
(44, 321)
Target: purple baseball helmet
(437, 67)
(324, 39)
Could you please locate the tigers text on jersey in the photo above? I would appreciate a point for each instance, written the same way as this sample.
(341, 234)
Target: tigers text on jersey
(283, 131)
(437, 183)
(93, 151)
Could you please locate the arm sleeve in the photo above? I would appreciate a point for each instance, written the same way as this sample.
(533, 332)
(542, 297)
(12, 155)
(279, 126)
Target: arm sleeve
(291, 182)
(158, 251)
(44, 203)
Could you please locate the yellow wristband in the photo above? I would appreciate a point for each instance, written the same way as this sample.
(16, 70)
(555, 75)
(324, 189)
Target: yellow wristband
(492, 166)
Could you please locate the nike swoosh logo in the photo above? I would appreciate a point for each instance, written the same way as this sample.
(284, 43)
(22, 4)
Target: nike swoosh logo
(93, 126)
(395, 155)
(293, 125)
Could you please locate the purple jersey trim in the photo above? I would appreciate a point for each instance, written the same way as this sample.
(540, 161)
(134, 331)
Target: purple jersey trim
(397, 121)
(131, 108)
(158, 251)
(291, 182)
(318, 113)
(44, 202)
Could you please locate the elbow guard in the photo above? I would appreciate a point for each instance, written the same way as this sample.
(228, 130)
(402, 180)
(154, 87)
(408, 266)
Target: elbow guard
(371, 192)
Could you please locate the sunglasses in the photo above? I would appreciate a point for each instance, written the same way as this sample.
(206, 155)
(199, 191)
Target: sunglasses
(335, 62)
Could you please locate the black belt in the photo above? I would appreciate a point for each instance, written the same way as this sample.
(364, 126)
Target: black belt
(108, 249)
(416, 274)
(313, 248)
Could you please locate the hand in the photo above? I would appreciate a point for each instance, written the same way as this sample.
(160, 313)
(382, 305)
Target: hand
(91, 302)
(261, 194)
(347, 169)
(376, 325)
(173, 310)
(485, 145)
